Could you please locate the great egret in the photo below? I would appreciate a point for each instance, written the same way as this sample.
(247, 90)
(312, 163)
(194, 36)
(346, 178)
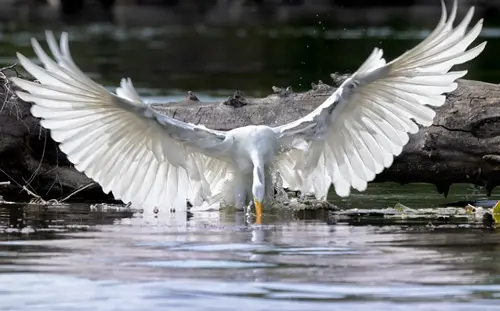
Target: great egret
(155, 161)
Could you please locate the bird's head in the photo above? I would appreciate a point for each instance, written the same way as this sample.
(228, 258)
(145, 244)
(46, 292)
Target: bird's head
(258, 191)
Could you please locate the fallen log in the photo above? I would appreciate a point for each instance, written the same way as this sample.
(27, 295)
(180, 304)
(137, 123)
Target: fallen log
(462, 146)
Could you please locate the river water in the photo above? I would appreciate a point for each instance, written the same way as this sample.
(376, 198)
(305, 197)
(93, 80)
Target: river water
(79, 258)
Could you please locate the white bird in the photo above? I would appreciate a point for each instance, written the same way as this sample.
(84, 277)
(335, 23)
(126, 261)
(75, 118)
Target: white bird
(155, 161)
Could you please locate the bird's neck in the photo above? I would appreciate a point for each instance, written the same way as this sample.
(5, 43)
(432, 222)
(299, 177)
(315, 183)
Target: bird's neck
(258, 187)
(258, 174)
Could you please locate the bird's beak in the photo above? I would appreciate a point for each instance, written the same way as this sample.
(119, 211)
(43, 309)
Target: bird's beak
(258, 211)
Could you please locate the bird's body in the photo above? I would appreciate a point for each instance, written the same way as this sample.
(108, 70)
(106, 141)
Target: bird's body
(253, 142)
(251, 156)
(153, 160)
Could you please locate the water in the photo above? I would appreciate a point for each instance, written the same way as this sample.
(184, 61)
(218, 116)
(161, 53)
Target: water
(216, 62)
(77, 258)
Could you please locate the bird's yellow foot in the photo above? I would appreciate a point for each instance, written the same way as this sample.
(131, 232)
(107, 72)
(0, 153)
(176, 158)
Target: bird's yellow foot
(258, 211)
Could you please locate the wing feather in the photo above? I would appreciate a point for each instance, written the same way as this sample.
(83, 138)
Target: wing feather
(141, 156)
(359, 129)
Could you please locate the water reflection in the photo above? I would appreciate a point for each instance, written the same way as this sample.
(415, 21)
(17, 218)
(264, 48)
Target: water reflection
(192, 262)
(288, 252)
(90, 258)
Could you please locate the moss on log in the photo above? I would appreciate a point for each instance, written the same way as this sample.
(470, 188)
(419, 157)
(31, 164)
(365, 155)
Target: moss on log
(462, 146)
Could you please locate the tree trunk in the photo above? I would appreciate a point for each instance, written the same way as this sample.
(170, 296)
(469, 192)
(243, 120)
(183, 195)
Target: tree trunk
(462, 146)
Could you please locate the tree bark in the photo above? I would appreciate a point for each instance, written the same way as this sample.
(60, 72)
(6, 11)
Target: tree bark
(462, 146)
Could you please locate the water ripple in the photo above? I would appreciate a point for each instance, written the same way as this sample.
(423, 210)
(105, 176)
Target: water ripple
(206, 264)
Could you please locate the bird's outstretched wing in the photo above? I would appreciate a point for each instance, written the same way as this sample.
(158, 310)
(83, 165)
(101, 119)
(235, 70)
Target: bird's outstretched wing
(143, 157)
(359, 129)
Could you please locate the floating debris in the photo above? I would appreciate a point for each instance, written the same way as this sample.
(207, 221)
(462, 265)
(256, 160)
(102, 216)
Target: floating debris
(475, 216)
(495, 213)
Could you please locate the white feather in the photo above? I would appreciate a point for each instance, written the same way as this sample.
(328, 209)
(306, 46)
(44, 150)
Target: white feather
(368, 118)
(119, 141)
